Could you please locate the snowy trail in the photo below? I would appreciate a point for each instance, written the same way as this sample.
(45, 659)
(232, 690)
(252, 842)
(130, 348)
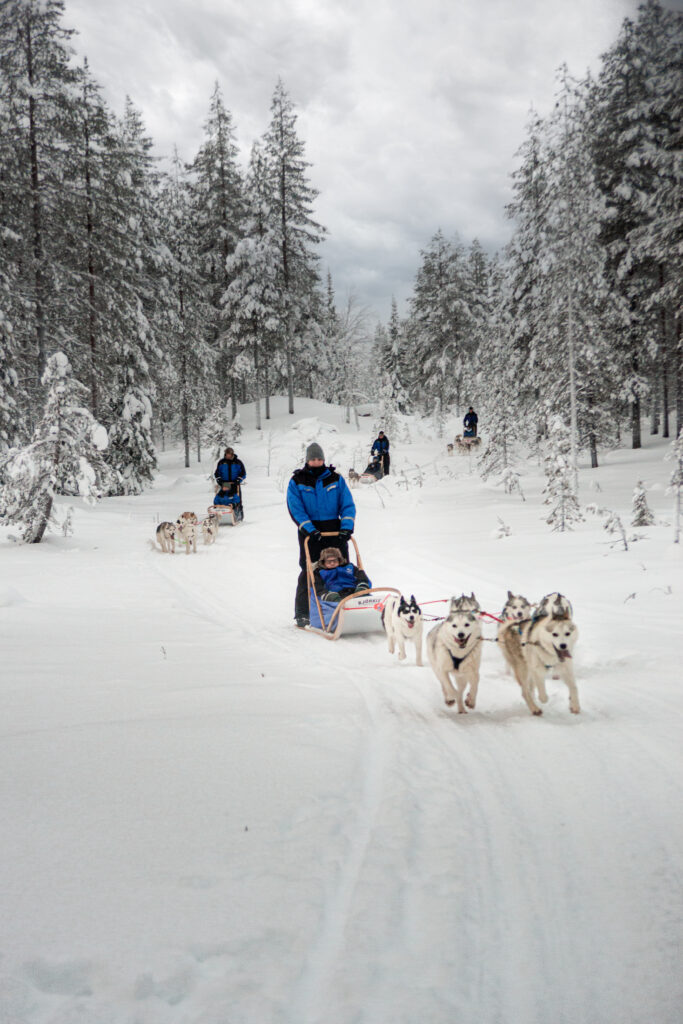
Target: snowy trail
(216, 817)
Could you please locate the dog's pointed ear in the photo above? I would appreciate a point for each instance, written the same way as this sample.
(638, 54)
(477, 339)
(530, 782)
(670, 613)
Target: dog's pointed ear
(510, 595)
(412, 599)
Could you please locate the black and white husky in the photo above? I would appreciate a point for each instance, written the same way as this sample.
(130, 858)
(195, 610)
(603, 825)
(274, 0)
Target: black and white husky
(454, 649)
(402, 621)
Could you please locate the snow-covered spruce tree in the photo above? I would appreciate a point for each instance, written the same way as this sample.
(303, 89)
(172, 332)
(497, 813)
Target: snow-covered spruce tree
(393, 359)
(63, 456)
(297, 234)
(631, 130)
(563, 317)
(136, 296)
(348, 355)
(252, 308)
(218, 213)
(441, 325)
(186, 313)
(656, 241)
(499, 364)
(36, 100)
(221, 429)
(642, 514)
(559, 488)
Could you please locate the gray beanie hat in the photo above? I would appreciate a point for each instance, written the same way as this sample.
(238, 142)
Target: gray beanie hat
(314, 451)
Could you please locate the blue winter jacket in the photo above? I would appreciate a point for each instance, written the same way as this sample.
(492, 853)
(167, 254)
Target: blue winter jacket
(323, 499)
(342, 577)
(381, 445)
(230, 469)
(227, 499)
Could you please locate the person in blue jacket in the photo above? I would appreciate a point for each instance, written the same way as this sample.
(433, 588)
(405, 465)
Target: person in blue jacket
(334, 578)
(380, 447)
(470, 423)
(319, 501)
(232, 469)
(229, 494)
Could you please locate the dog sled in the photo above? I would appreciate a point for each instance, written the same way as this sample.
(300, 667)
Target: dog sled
(373, 472)
(360, 612)
(232, 513)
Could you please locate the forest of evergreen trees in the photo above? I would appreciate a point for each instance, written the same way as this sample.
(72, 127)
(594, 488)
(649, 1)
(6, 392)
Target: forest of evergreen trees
(172, 296)
(579, 317)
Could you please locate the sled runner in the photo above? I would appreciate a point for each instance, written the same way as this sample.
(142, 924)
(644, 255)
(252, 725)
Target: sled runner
(373, 472)
(229, 514)
(358, 613)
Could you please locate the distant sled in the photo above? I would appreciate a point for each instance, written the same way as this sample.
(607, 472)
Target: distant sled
(232, 513)
(373, 472)
(358, 613)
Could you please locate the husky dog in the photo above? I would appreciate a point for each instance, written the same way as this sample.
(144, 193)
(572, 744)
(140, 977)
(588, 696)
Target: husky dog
(166, 537)
(542, 644)
(210, 528)
(353, 476)
(557, 600)
(449, 448)
(186, 517)
(186, 532)
(454, 649)
(402, 621)
(516, 608)
(463, 444)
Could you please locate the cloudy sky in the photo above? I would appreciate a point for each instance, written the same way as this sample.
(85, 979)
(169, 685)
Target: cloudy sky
(411, 110)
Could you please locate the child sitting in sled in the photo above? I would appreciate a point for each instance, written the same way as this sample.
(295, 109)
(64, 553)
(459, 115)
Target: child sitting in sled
(229, 494)
(334, 578)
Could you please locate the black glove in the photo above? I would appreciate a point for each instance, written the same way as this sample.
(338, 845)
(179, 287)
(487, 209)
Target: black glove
(345, 534)
(316, 536)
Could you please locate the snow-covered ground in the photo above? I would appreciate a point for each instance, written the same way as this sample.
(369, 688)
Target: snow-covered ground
(210, 817)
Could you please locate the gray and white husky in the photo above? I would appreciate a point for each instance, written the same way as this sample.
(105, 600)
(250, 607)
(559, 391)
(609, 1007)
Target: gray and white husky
(402, 620)
(539, 645)
(516, 608)
(454, 649)
(166, 537)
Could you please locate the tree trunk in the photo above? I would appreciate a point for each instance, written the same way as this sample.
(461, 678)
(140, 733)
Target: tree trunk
(44, 520)
(92, 319)
(37, 213)
(290, 377)
(257, 379)
(679, 379)
(573, 426)
(593, 450)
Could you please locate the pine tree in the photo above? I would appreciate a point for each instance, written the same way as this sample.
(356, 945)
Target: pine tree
(633, 137)
(442, 324)
(559, 488)
(135, 300)
(642, 515)
(8, 375)
(63, 456)
(36, 96)
(186, 312)
(218, 212)
(297, 234)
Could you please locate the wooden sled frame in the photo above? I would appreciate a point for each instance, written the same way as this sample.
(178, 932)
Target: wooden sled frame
(335, 627)
(226, 513)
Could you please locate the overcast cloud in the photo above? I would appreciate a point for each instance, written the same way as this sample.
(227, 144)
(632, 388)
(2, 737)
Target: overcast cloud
(411, 110)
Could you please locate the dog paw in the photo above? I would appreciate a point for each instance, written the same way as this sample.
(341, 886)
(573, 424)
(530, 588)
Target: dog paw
(402, 657)
(537, 712)
(450, 703)
(575, 711)
(469, 702)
